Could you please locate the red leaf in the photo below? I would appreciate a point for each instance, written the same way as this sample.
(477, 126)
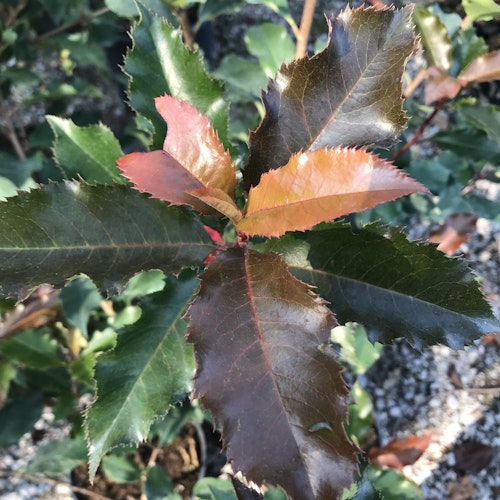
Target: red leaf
(276, 392)
(319, 186)
(193, 142)
(163, 177)
(193, 158)
(396, 454)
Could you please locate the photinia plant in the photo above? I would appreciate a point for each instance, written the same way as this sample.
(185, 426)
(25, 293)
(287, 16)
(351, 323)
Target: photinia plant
(277, 271)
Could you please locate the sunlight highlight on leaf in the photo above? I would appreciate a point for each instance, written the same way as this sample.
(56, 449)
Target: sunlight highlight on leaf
(320, 186)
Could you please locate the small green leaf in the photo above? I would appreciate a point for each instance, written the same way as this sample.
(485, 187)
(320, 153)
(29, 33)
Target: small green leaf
(143, 284)
(33, 348)
(160, 63)
(58, 457)
(89, 152)
(485, 118)
(108, 233)
(123, 8)
(79, 298)
(356, 349)
(211, 488)
(149, 370)
(243, 78)
(272, 46)
(481, 9)
(121, 469)
(159, 486)
(19, 417)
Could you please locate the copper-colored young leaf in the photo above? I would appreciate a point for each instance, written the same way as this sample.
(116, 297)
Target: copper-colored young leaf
(192, 158)
(193, 142)
(162, 176)
(485, 68)
(348, 94)
(266, 375)
(220, 201)
(319, 186)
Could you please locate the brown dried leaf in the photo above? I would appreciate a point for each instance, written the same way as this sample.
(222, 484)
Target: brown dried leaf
(440, 85)
(472, 456)
(397, 454)
(455, 230)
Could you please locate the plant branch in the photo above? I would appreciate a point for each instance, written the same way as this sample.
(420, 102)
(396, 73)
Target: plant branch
(305, 28)
(418, 134)
(11, 134)
(71, 24)
(188, 34)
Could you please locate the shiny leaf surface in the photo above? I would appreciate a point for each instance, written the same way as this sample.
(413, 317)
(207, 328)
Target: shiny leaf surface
(267, 377)
(193, 142)
(150, 368)
(108, 233)
(394, 287)
(87, 152)
(159, 62)
(349, 94)
(321, 186)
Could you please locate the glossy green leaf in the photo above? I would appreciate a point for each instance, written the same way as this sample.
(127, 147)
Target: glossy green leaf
(160, 63)
(121, 469)
(124, 8)
(211, 488)
(58, 457)
(282, 413)
(158, 485)
(79, 299)
(434, 37)
(468, 143)
(349, 94)
(243, 78)
(394, 287)
(18, 172)
(149, 370)
(210, 9)
(88, 152)
(271, 45)
(108, 233)
(33, 348)
(481, 9)
(485, 118)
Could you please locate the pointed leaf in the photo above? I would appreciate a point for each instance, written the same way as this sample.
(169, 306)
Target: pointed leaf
(271, 44)
(394, 287)
(320, 186)
(87, 152)
(349, 94)
(220, 201)
(434, 36)
(162, 176)
(485, 68)
(150, 368)
(159, 62)
(107, 232)
(481, 9)
(192, 141)
(266, 376)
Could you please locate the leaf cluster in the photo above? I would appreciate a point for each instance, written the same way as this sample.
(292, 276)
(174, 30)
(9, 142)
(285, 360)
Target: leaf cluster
(222, 274)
